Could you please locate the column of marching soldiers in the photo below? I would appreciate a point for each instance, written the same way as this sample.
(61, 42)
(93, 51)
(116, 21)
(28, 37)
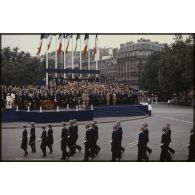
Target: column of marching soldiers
(69, 137)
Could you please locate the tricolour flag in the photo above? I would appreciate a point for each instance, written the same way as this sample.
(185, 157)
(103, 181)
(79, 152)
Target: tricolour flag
(43, 36)
(95, 47)
(68, 36)
(78, 37)
(86, 38)
(50, 40)
(60, 38)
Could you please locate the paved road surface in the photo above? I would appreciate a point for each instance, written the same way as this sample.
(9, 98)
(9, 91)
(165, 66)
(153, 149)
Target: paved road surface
(180, 118)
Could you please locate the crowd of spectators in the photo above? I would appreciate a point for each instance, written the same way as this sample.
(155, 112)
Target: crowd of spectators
(61, 92)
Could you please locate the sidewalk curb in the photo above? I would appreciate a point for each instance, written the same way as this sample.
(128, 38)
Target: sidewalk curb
(79, 123)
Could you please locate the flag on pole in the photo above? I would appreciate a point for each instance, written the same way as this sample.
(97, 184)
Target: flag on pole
(43, 36)
(95, 47)
(50, 40)
(60, 44)
(68, 36)
(78, 37)
(86, 38)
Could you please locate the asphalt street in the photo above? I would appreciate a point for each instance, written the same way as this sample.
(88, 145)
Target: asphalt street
(180, 118)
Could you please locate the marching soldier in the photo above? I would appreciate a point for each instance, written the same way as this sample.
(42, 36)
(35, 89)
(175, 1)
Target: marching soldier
(24, 140)
(191, 147)
(95, 137)
(32, 138)
(165, 155)
(142, 146)
(88, 143)
(43, 141)
(71, 138)
(115, 144)
(120, 131)
(146, 132)
(76, 136)
(64, 141)
(168, 131)
(50, 138)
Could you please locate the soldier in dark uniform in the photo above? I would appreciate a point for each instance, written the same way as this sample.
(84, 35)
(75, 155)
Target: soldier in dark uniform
(76, 136)
(71, 138)
(32, 138)
(64, 141)
(165, 155)
(88, 144)
(43, 141)
(168, 131)
(24, 140)
(95, 136)
(146, 132)
(120, 131)
(115, 144)
(50, 138)
(142, 146)
(191, 146)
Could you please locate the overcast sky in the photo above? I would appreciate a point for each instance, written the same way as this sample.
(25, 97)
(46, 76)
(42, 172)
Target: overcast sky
(31, 42)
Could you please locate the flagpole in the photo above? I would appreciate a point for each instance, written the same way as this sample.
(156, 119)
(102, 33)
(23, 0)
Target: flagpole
(97, 56)
(56, 57)
(88, 57)
(46, 63)
(64, 56)
(80, 58)
(72, 58)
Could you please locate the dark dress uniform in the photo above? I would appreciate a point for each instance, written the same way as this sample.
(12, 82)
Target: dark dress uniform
(168, 130)
(88, 145)
(50, 139)
(95, 137)
(146, 132)
(120, 131)
(24, 141)
(64, 143)
(191, 147)
(43, 142)
(142, 147)
(165, 155)
(115, 145)
(71, 140)
(76, 138)
(32, 139)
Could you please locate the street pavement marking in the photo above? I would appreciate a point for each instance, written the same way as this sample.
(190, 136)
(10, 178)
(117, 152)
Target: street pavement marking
(183, 121)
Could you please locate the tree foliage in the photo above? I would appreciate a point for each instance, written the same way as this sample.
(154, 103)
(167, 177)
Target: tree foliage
(19, 67)
(171, 70)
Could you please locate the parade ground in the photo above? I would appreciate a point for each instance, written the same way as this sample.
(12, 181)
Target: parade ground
(180, 118)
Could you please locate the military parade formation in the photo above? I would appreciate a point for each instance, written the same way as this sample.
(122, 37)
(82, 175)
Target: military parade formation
(69, 146)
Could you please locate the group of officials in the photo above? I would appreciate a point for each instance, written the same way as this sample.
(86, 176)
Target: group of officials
(69, 137)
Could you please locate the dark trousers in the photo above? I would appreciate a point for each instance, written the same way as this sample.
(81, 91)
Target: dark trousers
(88, 152)
(25, 152)
(50, 148)
(33, 147)
(149, 112)
(116, 151)
(71, 147)
(141, 153)
(165, 155)
(43, 148)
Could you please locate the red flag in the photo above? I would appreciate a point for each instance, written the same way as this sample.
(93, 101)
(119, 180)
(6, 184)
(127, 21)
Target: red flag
(43, 36)
(50, 40)
(86, 44)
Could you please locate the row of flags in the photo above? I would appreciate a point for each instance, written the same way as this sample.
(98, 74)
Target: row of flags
(68, 37)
